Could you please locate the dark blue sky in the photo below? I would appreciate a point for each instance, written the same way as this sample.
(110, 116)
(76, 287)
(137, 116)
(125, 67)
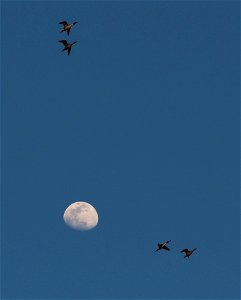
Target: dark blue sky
(141, 121)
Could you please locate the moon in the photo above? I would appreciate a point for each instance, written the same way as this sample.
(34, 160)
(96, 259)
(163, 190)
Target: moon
(81, 216)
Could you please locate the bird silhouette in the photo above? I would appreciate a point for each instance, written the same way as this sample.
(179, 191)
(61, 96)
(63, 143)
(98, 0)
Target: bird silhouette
(188, 253)
(163, 246)
(66, 26)
(67, 46)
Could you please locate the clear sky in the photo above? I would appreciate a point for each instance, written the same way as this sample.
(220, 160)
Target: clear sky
(142, 121)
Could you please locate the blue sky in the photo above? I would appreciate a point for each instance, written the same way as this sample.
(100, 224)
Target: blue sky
(141, 121)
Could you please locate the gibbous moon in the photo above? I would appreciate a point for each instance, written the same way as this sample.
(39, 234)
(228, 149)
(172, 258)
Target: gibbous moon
(81, 216)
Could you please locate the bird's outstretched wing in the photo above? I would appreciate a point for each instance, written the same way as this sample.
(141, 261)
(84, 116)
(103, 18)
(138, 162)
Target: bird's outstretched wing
(63, 22)
(184, 250)
(168, 241)
(158, 247)
(63, 42)
(194, 249)
(68, 31)
(69, 49)
(166, 248)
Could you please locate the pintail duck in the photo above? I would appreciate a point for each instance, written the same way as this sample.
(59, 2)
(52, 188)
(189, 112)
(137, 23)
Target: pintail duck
(67, 46)
(163, 246)
(66, 26)
(188, 252)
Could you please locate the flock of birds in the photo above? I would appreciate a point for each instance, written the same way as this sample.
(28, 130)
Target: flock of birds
(67, 47)
(67, 27)
(187, 252)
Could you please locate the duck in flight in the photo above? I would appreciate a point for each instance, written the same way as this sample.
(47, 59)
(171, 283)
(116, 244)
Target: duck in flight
(66, 26)
(163, 246)
(67, 46)
(188, 252)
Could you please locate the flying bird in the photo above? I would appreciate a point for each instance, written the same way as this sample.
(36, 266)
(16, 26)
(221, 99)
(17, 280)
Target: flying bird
(66, 26)
(188, 252)
(67, 46)
(163, 246)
